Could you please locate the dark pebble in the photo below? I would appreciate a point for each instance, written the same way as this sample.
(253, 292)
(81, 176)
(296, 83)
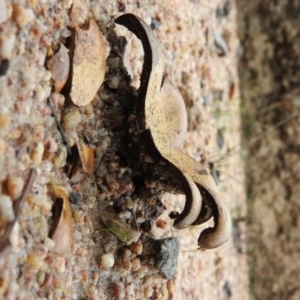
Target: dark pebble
(75, 198)
(167, 251)
(154, 24)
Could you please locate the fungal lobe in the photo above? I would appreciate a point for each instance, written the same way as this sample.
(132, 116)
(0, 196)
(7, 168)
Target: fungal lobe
(88, 64)
(59, 66)
(86, 156)
(62, 228)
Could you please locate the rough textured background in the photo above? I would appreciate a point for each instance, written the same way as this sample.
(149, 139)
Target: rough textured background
(270, 74)
(201, 49)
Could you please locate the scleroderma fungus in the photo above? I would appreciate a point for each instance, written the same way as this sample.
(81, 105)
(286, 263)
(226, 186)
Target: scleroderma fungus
(161, 111)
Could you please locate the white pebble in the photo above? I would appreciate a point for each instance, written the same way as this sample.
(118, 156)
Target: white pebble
(4, 14)
(60, 160)
(107, 260)
(104, 20)
(103, 96)
(47, 89)
(22, 15)
(7, 42)
(129, 203)
(6, 209)
(113, 82)
(14, 186)
(60, 264)
(49, 243)
(40, 93)
(36, 154)
(140, 220)
(95, 9)
(71, 119)
(126, 214)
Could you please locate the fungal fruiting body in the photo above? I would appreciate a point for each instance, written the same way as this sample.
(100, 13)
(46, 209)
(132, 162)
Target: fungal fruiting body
(161, 110)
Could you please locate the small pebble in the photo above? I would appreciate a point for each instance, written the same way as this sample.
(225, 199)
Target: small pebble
(40, 277)
(137, 247)
(50, 145)
(71, 138)
(75, 198)
(151, 184)
(104, 21)
(104, 96)
(7, 43)
(112, 167)
(148, 159)
(49, 243)
(140, 220)
(227, 290)
(78, 217)
(22, 15)
(113, 82)
(39, 133)
(161, 224)
(126, 214)
(84, 277)
(113, 62)
(16, 241)
(148, 291)
(45, 206)
(151, 201)
(66, 4)
(118, 290)
(5, 281)
(57, 99)
(41, 251)
(127, 256)
(95, 9)
(36, 154)
(2, 146)
(6, 209)
(4, 120)
(221, 45)
(81, 252)
(60, 160)
(99, 152)
(207, 99)
(14, 186)
(89, 110)
(220, 138)
(71, 119)
(135, 264)
(107, 260)
(35, 261)
(154, 24)
(129, 203)
(60, 264)
(102, 132)
(4, 15)
(40, 94)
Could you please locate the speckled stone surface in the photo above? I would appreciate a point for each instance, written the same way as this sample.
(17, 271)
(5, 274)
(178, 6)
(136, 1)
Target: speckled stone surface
(200, 50)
